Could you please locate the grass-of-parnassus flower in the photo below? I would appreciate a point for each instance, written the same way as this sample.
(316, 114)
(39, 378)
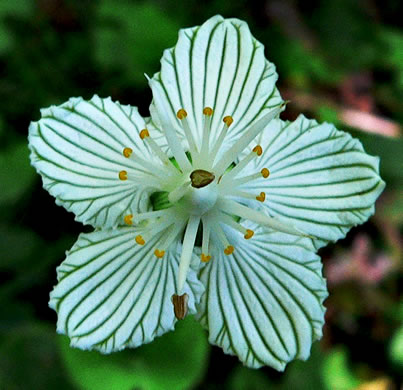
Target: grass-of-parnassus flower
(213, 206)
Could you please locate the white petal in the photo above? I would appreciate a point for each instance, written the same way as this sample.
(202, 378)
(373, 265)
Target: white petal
(264, 302)
(321, 180)
(218, 65)
(78, 150)
(113, 293)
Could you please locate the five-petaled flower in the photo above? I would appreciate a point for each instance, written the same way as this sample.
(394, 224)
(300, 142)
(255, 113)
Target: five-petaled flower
(213, 204)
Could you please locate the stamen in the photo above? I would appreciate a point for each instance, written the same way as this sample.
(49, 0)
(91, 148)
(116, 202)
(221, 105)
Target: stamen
(234, 208)
(156, 175)
(205, 238)
(265, 173)
(205, 258)
(249, 234)
(127, 152)
(229, 250)
(245, 179)
(169, 129)
(215, 226)
(257, 151)
(154, 228)
(128, 219)
(187, 250)
(159, 254)
(139, 239)
(173, 232)
(179, 192)
(158, 226)
(182, 115)
(261, 197)
(151, 215)
(144, 134)
(245, 140)
(123, 175)
(242, 194)
(227, 122)
(207, 112)
(232, 223)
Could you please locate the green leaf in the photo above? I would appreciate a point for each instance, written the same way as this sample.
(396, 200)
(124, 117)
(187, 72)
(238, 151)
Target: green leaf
(175, 361)
(30, 360)
(389, 150)
(243, 378)
(396, 347)
(16, 175)
(298, 375)
(392, 41)
(15, 8)
(16, 246)
(130, 37)
(336, 373)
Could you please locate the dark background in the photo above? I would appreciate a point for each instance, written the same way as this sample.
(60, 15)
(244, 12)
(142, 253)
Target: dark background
(340, 61)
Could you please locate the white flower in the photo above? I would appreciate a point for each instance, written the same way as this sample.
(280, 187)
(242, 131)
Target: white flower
(224, 204)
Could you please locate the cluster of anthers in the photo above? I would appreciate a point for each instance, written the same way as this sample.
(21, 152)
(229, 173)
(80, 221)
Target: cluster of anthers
(202, 189)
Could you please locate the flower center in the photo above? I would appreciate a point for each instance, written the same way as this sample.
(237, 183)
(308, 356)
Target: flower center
(202, 191)
(198, 201)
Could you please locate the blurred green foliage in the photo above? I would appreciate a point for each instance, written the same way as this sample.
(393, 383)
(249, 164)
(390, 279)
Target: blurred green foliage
(329, 54)
(14, 164)
(176, 360)
(130, 39)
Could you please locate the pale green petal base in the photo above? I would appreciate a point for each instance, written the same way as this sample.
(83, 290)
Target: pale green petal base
(112, 293)
(264, 303)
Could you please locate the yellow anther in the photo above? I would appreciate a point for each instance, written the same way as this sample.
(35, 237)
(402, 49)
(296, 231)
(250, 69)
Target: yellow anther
(258, 150)
(208, 111)
(123, 175)
(261, 197)
(181, 114)
(144, 133)
(249, 234)
(159, 254)
(128, 219)
(265, 173)
(205, 258)
(140, 240)
(229, 249)
(228, 120)
(127, 152)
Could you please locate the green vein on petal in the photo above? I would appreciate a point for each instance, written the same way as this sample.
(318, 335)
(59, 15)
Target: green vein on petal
(77, 148)
(321, 180)
(112, 293)
(264, 302)
(222, 66)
